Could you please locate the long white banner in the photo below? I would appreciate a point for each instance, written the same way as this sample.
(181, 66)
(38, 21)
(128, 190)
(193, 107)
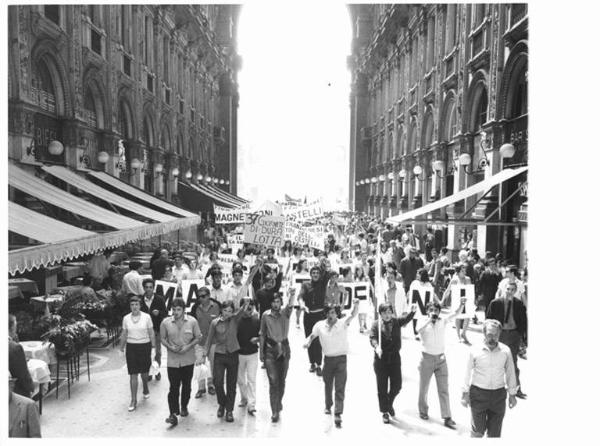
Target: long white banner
(300, 213)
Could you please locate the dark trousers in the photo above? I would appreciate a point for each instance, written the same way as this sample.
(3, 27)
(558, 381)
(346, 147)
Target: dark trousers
(388, 372)
(315, 353)
(179, 377)
(225, 362)
(335, 373)
(487, 411)
(512, 339)
(277, 368)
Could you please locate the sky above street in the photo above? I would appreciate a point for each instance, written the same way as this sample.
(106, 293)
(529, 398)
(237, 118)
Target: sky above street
(294, 115)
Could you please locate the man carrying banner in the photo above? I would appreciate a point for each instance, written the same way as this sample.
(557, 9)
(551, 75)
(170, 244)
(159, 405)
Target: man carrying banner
(433, 360)
(333, 335)
(421, 291)
(155, 306)
(275, 348)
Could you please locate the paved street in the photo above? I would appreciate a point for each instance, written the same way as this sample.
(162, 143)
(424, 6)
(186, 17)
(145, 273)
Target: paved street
(99, 408)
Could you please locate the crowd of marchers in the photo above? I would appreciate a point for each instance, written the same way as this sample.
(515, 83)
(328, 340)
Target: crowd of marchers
(241, 317)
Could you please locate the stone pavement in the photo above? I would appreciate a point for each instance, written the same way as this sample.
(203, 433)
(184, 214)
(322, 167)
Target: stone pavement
(99, 408)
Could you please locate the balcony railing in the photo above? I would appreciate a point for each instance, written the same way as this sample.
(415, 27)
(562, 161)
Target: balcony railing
(45, 100)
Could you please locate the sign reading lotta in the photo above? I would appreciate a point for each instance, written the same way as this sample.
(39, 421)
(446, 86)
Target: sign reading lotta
(264, 230)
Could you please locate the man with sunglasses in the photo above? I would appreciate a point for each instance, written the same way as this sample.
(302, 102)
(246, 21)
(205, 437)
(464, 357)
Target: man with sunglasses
(155, 306)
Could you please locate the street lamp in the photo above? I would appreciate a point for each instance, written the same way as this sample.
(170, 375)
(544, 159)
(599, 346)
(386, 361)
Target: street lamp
(417, 171)
(135, 164)
(55, 148)
(188, 175)
(208, 179)
(507, 150)
(158, 168)
(199, 177)
(438, 166)
(103, 157)
(175, 172)
(402, 173)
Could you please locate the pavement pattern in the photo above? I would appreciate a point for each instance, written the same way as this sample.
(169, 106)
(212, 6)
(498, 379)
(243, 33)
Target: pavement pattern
(98, 408)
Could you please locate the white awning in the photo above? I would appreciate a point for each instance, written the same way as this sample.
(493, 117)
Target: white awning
(222, 194)
(42, 190)
(213, 196)
(39, 227)
(79, 182)
(229, 195)
(139, 193)
(477, 188)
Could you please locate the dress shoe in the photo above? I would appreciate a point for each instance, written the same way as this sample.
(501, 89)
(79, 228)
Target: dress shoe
(386, 418)
(158, 376)
(424, 416)
(392, 412)
(220, 412)
(146, 395)
(319, 371)
(338, 420)
(199, 393)
(521, 395)
(449, 423)
(172, 420)
(251, 411)
(229, 417)
(312, 368)
(149, 378)
(275, 417)
(327, 411)
(211, 390)
(184, 412)
(243, 403)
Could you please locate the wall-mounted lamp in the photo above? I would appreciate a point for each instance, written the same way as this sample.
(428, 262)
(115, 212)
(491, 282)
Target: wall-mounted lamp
(381, 177)
(227, 182)
(464, 160)
(199, 177)
(158, 168)
(485, 144)
(507, 150)
(221, 181)
(175, 172)
(417, 171)
(402, 173)
(188, 175)
(31, 150)
(373, 179)
(367, 180)
(55, 148)
(103, 157)
(438, 167)
(208, 179)
(135, 164)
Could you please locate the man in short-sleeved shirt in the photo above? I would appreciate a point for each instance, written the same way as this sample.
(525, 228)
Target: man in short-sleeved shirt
(179, 334)
(333, 334)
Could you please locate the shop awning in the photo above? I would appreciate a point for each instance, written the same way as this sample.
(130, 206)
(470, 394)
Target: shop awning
(26, 259)
(477, 188)
(79, 182)
(219, 193)
(215, 197)
(228, 195)
(42, 190)
(41, 228)
(140, 194)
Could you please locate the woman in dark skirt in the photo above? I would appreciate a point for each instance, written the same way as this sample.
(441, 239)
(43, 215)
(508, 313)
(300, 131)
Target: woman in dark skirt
(138, 335)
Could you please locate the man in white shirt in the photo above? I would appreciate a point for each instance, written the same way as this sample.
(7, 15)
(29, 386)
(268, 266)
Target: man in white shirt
(132, 281)
(432, 331)
(180, 269)
(490, 366)
(511, 277)
(238, 290)
(217, 292)
(333, 335)
(394, 293)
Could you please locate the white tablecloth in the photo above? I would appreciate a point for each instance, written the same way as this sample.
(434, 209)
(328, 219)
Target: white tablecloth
(43, 351)
(40, 373)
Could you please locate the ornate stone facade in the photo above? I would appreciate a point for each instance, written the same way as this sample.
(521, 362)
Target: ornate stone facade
(160, 79)
(429, 82)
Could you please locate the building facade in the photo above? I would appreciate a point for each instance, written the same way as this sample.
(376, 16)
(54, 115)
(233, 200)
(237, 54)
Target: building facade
(439, 103)
(146, 93)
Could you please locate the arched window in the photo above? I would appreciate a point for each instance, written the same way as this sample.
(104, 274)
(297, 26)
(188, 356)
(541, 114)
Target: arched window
(428, 131)
(89, 109)
(519, 104)
(165, 139)
(400, 141)
(125, 121)
(412, 143)
(43, 87)
(481, 116)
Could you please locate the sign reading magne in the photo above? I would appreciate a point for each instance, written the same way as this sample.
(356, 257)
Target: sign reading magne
(264, 230)
(225, 216)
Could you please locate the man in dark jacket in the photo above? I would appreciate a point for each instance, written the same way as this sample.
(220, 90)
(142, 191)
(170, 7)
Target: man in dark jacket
(17, 363)
(409, 267)
(155, 306)
(511, 313)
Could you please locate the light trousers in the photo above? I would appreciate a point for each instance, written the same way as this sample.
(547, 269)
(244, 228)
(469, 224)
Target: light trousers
(247, 369)
(430, 365)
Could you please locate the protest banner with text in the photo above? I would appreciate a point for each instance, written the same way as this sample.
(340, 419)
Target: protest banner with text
(264, 230)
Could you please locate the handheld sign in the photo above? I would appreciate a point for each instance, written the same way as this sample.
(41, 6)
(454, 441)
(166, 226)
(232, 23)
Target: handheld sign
(189, 288)
(225, 216)
(463, 291)
(355, 290)
(166, 289)
(421, 296)
(264, 230)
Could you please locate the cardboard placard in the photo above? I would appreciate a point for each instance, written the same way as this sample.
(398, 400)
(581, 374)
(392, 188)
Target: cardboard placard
(189, 289)
(421, 296)
(463, 291)
(264, 230)
(226, 216)
(301, 213)
(166, 289)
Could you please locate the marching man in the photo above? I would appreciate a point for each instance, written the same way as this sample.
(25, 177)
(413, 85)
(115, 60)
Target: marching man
(333, 335)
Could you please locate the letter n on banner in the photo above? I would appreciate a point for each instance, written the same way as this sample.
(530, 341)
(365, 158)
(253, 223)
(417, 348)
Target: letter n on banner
(416, 299)
(167, 290)
(189, 290)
